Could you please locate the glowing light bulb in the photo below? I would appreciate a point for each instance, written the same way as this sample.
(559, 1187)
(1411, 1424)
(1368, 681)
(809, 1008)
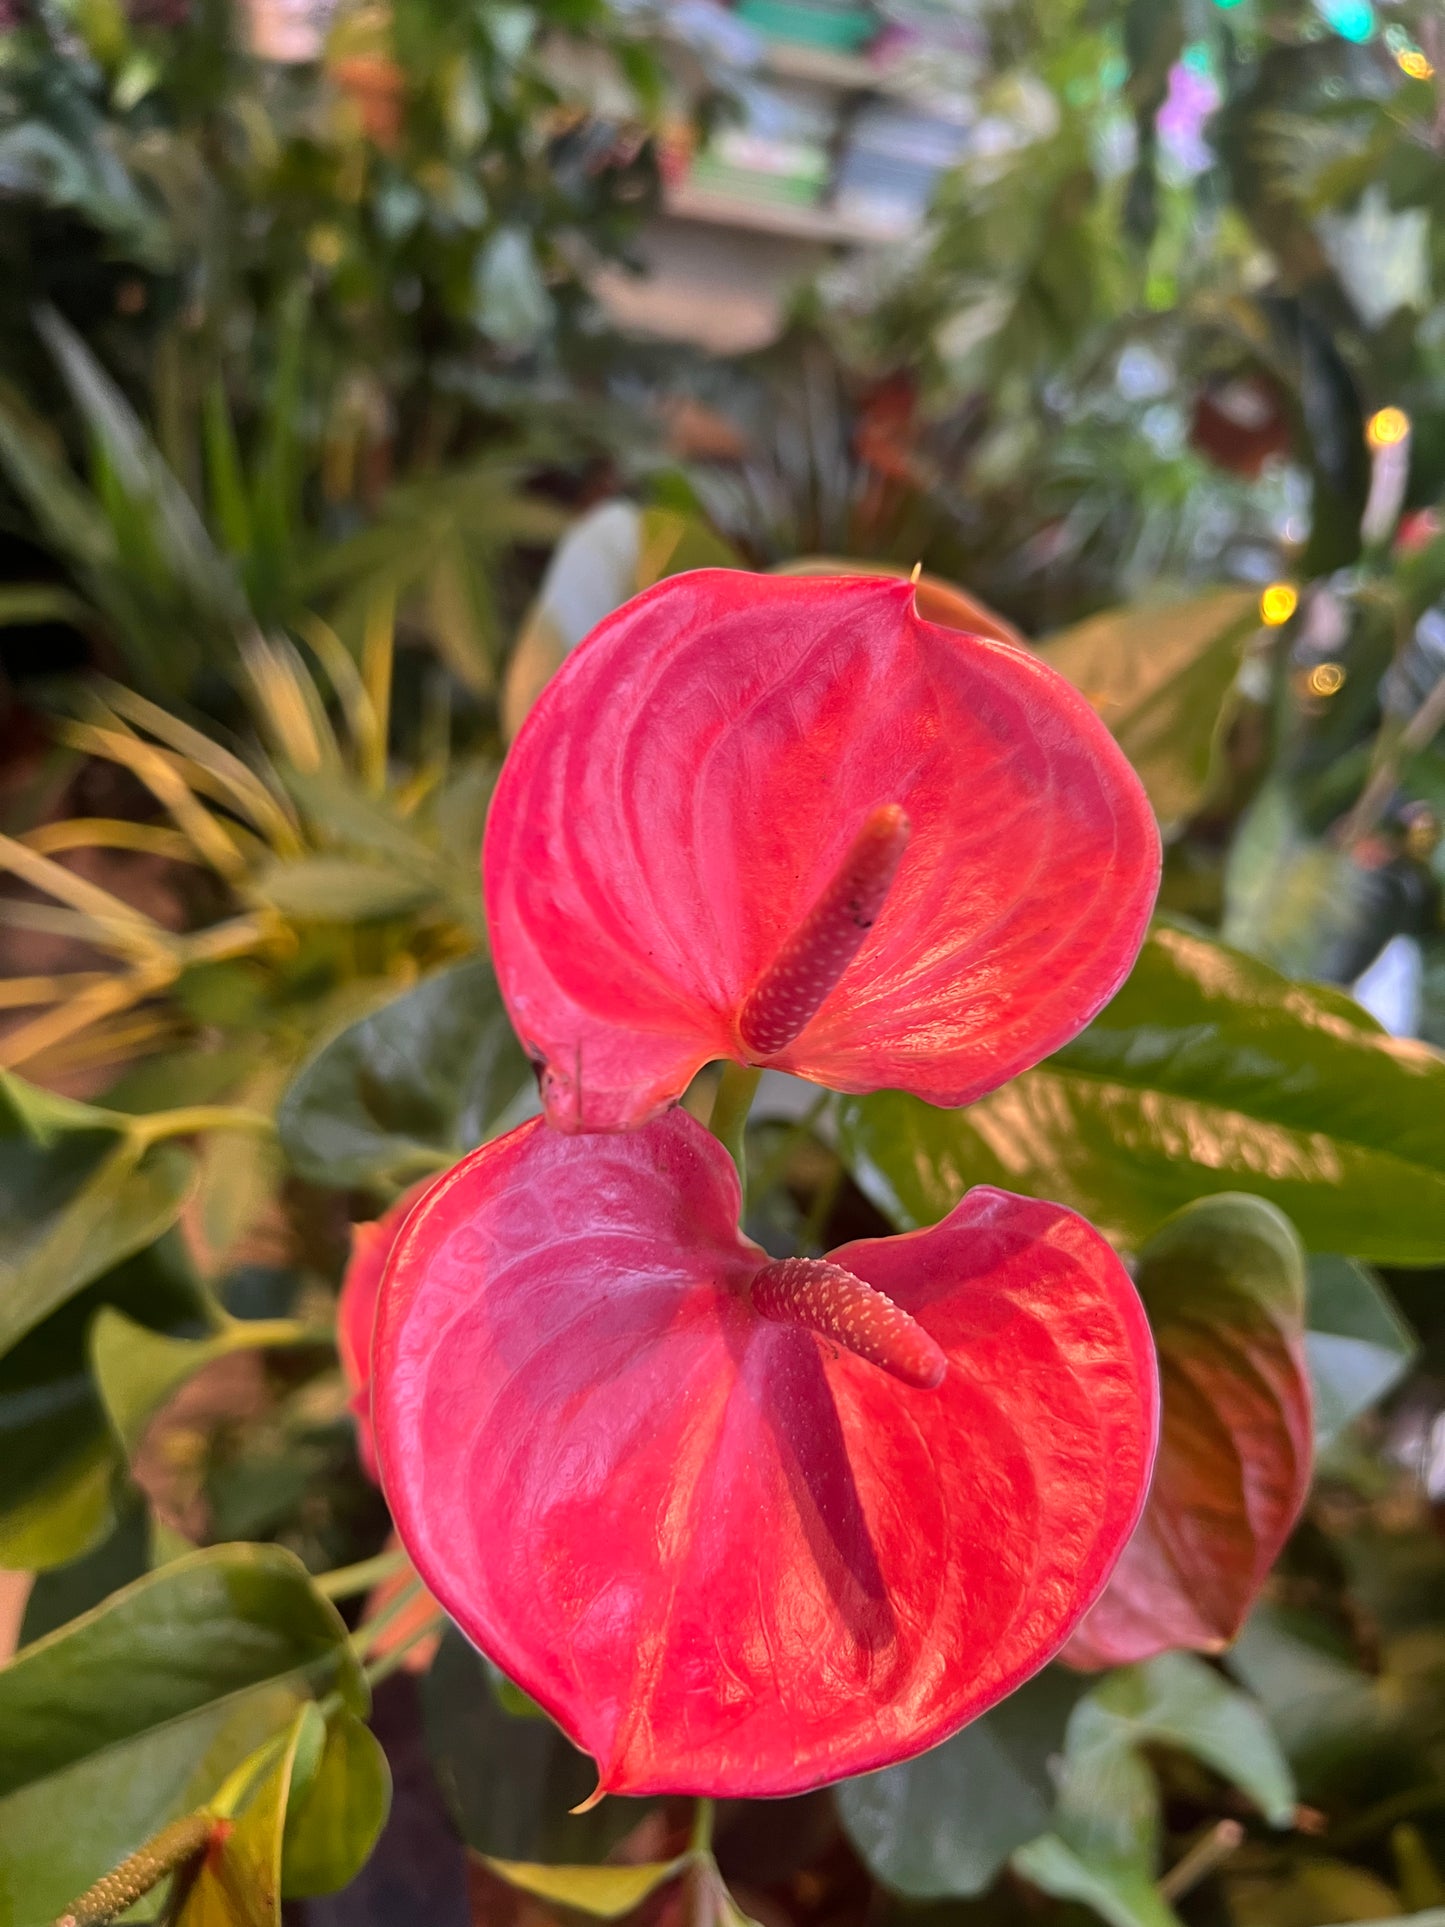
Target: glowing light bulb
(1386, 427)
(1278, 603)
(1326, 679)
(1412, 62)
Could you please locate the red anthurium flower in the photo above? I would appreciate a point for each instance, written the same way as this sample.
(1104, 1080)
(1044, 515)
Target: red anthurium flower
(356, 1313)
(788, 821)
(744, 1527)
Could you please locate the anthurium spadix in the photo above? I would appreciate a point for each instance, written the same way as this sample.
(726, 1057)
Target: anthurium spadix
(747, 1526)
(789, 821)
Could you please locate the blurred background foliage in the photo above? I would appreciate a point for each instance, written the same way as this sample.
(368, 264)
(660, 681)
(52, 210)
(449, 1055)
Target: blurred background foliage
(318, 454)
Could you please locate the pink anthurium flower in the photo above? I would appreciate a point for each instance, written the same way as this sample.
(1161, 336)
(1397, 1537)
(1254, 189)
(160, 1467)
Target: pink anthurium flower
(744, 1527)
(789, 821)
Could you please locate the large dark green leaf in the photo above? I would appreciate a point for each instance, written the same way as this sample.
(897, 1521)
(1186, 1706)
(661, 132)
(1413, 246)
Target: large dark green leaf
(1209, 1072)
(80, 1190)
(946, 1822)
(134, 1714)
(57, 1456)
(409, 1088)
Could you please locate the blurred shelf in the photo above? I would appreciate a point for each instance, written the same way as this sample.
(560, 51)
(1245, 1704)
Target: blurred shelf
(686, 203)
(850, 73)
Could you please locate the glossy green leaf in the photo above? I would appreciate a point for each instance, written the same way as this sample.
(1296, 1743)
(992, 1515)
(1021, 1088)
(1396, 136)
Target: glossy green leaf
(944, 1823)
(510, 1782)
(79, 1192)
(1358, 1344)
(1223, 1283)
(604, 1892)
(238, 1882)
(57, 1456)
(1208, 1072)
(1123, 1893)
(1159, 678)
(409, 1088)
(137, 1370)
(334, 1819)
(135, 1713)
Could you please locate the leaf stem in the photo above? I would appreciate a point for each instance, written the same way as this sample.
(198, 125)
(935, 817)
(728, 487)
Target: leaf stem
(1207, 1853)
(391, 1662)
(364, 1638)
(729, 1117)
(342, 1581)
(191, 1118)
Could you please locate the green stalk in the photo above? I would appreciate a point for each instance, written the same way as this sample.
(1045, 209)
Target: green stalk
(729, 1118)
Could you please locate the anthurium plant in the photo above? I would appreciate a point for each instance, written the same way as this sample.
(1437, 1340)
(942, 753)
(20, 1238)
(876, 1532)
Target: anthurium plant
(841, 1303)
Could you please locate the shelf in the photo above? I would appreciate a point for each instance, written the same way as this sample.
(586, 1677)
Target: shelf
(818, 66)
(687, 203)
(850, 73)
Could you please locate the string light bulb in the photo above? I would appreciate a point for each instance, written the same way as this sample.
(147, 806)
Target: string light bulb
(1326, 679)
(1278, 604)
(1387, 427)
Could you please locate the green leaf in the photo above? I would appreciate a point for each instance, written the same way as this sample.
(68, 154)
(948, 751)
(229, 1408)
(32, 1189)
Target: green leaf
(238, 1883)
(409, 1088)
(604, 1892)
(1109, 1804)
(57, 1456)
(1358, 1344)
(137, 1370)
(334, 1820)
(79, 1192)
(1105, 1840)
(1208, 1072)
(944, 1823)
(135, 1713)
(1123, 1893)
(510, 1782)
(338, 889)
(1159, 678)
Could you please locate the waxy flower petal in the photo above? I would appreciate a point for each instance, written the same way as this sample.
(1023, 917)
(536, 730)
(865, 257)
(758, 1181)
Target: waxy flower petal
(724, 758)
(728, 1553)
(371, 1245)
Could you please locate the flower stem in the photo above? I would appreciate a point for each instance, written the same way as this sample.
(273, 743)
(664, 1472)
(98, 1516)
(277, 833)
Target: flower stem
(729, 1119)
(343, 1581)
(703, 1816)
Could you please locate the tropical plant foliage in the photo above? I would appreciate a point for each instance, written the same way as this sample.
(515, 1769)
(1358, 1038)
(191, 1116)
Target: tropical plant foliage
(298, 522)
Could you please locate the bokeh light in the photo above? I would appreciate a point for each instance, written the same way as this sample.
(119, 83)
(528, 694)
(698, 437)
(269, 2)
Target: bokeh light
(1278, 603)
(1386, 427)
